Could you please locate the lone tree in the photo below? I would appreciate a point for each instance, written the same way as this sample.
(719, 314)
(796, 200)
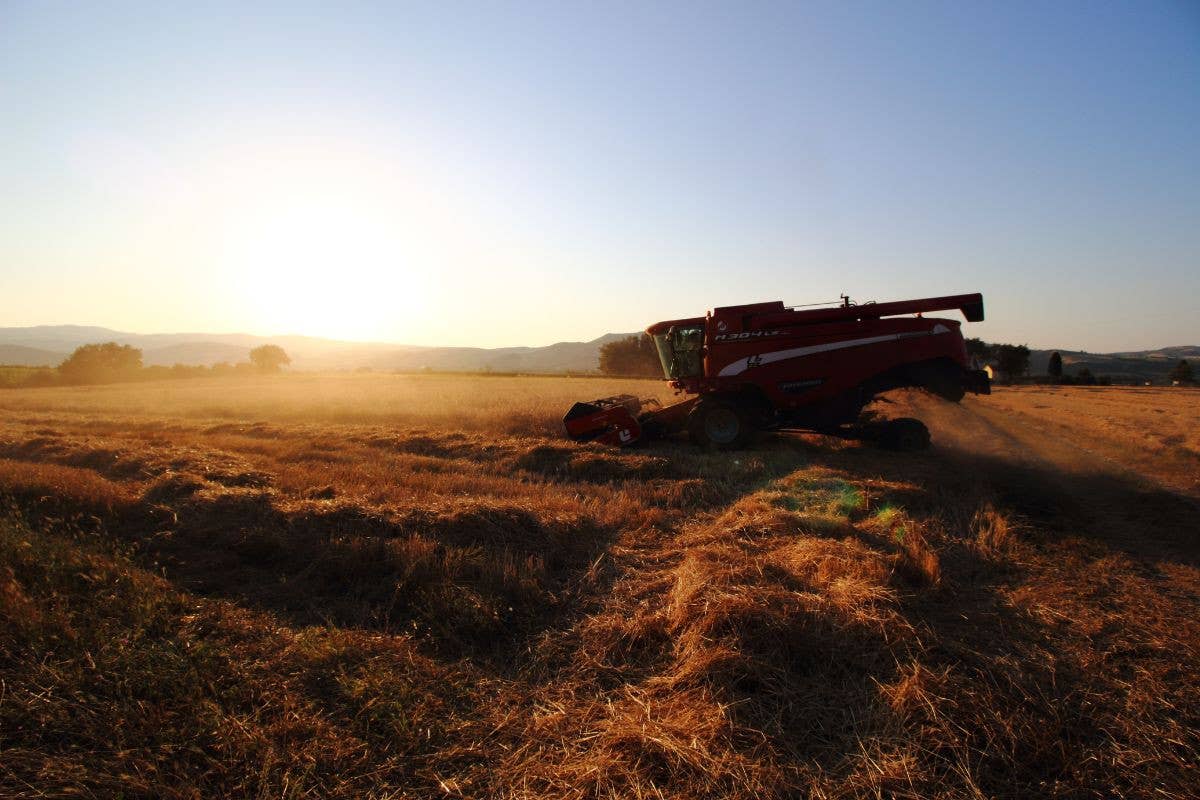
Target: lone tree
(1012, 359)
(101, 363)
(1182, 372)
(633, 355)
(1054, 368)
(269, 358)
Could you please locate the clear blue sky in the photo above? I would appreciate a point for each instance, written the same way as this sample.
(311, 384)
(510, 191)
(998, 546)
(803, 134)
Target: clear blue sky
(495, 174)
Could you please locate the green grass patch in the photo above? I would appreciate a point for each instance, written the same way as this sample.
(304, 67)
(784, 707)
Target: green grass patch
(827, 494)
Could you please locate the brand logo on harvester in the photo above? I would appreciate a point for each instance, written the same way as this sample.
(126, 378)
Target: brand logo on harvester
(625, 435)
(733, 337)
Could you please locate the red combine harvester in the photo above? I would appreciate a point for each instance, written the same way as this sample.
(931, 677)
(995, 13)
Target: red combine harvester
(765, 366)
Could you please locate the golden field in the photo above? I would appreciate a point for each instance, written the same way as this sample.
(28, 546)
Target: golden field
(379, 586)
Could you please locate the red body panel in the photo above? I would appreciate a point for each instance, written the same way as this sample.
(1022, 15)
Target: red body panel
(805, 357)
(836, 356)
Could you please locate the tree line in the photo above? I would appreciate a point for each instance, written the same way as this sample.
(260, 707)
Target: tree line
(1012, 364)
(110, 362)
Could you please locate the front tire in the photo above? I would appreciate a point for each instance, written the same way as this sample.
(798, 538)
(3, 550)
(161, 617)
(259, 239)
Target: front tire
(719, 425)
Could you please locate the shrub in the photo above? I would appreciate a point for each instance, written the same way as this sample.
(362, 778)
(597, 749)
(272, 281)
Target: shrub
(101, 363)
(269, 358)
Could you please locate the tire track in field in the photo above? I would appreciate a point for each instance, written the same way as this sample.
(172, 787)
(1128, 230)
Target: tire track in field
(1064, 484)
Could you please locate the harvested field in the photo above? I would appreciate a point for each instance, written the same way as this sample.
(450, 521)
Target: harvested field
(411, 586)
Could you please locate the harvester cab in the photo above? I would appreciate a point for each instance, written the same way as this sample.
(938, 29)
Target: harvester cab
(681, 351)
(766, 366)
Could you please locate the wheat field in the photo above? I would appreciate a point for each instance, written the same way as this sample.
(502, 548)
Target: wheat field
(382, 586)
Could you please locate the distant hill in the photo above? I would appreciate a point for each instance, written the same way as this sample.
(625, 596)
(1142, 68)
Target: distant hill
(559, 357)
(17, 355)
(1143, 365)
(50, 344)
(197, 348)
(1172, 354)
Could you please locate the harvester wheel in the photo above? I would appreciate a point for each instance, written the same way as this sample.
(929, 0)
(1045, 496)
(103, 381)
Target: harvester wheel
(906, 434)
(719, 424)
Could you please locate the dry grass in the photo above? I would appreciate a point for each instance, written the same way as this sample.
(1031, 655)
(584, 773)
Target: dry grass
(1155, 432)
(383, 586)
(516, 405)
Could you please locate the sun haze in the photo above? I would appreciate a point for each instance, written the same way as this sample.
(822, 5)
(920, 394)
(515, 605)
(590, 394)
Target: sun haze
(495, 174)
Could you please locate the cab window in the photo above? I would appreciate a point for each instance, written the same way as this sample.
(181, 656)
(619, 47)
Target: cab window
(681, 351)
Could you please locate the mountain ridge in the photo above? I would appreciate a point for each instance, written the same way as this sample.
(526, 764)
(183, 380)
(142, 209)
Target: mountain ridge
(48, 345)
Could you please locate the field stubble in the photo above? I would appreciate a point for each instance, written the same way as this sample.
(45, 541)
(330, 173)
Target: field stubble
(383, 586)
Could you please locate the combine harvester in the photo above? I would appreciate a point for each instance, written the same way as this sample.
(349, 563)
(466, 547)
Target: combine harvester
(765, 366)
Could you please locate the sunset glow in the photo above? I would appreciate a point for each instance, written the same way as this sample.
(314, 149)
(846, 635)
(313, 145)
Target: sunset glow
(335, 255)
